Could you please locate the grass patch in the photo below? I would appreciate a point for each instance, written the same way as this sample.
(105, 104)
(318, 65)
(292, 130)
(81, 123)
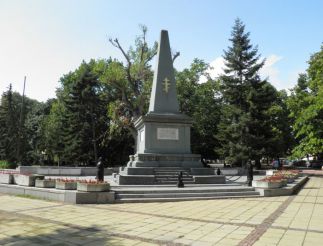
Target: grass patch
(32, 197)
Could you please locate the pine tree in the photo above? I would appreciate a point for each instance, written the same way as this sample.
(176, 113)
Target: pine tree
(8, 127)
(83, 111)
(246, 98)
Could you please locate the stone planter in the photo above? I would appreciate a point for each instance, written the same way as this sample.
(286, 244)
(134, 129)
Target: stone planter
(61, 185)
(45, 183)
(26, 180)
(6, 178)
(93, 187)
(267, 185)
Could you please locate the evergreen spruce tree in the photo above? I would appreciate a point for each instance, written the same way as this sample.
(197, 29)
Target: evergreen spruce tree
(8, 128)
(243, 129)
(83, 109)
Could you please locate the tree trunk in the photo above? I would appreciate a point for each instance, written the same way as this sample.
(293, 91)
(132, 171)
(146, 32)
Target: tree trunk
(258, 163)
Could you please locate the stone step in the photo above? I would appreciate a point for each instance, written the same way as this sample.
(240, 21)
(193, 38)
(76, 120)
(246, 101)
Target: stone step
(171, 170)
(178, 199)
(173, 195)
(171, 182)
(168, 189)
(171, 178)
(170, 173)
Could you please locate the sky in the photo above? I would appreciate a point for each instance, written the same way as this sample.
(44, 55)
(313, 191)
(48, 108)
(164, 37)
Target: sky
(45, 39)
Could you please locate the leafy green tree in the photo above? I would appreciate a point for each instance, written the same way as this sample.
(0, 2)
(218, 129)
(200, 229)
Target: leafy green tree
(306, 106)
(201, 102)
(53, 134)
(35, 131)
(283, 140)
(244, 127)
(130, 80)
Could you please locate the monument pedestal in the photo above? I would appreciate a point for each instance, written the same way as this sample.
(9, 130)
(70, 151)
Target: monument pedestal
(151, 168)
(163, 139)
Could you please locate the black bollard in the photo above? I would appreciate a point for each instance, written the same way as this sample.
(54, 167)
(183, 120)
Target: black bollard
(100, 170)
(180, 183)
(218, 171)
(249, 173)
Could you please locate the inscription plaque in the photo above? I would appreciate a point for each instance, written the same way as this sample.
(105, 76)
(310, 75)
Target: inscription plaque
(167, 133)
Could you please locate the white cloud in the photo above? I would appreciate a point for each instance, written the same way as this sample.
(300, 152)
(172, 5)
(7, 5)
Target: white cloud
(215, 70)
(271, 72)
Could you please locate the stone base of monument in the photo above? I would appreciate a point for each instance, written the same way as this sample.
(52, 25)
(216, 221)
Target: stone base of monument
(149, 169)
(66, 196)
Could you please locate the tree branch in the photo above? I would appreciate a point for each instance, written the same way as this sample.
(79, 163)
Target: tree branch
(177, 54)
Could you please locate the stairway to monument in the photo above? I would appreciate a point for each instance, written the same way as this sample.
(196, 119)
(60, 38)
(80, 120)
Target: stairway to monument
(169, 175)
(188, 193)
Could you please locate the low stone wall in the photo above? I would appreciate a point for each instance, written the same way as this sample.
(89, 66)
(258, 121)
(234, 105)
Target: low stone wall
(233, 171)
(284, 191)
(64, 171)
(66, 196)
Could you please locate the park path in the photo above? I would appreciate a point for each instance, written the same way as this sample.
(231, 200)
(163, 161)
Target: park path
(294, 220)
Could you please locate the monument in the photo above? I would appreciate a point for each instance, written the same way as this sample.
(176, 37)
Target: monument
(163, 139)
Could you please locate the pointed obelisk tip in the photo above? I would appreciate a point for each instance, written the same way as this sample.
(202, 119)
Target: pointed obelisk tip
(163, 97)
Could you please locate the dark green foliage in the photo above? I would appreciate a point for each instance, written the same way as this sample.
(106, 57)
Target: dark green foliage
(306, 106)
(82, 119)
(8, 127)
(282, 140)
(201, 102)
(245, 129)
(20, 135)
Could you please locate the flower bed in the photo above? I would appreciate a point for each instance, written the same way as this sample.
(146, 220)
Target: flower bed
(92, 186)
(66, 184)
(270, 182)
(26, 179)
(45, 183)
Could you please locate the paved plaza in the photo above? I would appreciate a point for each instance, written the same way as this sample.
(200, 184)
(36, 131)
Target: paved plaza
(294, 220)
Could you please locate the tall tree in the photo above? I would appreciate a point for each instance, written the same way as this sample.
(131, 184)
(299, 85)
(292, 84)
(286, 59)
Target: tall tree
(306, 105)
(8, 127)
(201, 102)
(131, 80)
(83, 115)
(283, 140)
(246, 100)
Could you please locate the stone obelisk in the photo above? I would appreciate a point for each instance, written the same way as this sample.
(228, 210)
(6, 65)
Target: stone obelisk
(163, 139)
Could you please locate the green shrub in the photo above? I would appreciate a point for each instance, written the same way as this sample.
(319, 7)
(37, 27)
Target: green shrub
(6, 165)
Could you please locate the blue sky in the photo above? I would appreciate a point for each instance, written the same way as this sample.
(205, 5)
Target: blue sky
(44, 39)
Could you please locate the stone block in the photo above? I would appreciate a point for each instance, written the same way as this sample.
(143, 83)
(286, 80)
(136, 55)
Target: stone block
(6, 178)
(45, 183)
(202, 171)
(138, 171)
(26, 180)
(28, 169)
(12, 189)
(65, 185)
(135, 179)
(70, 172)
(94, 197)
(266, 184)
(53, 171)
(209, 179)
(88, 187)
